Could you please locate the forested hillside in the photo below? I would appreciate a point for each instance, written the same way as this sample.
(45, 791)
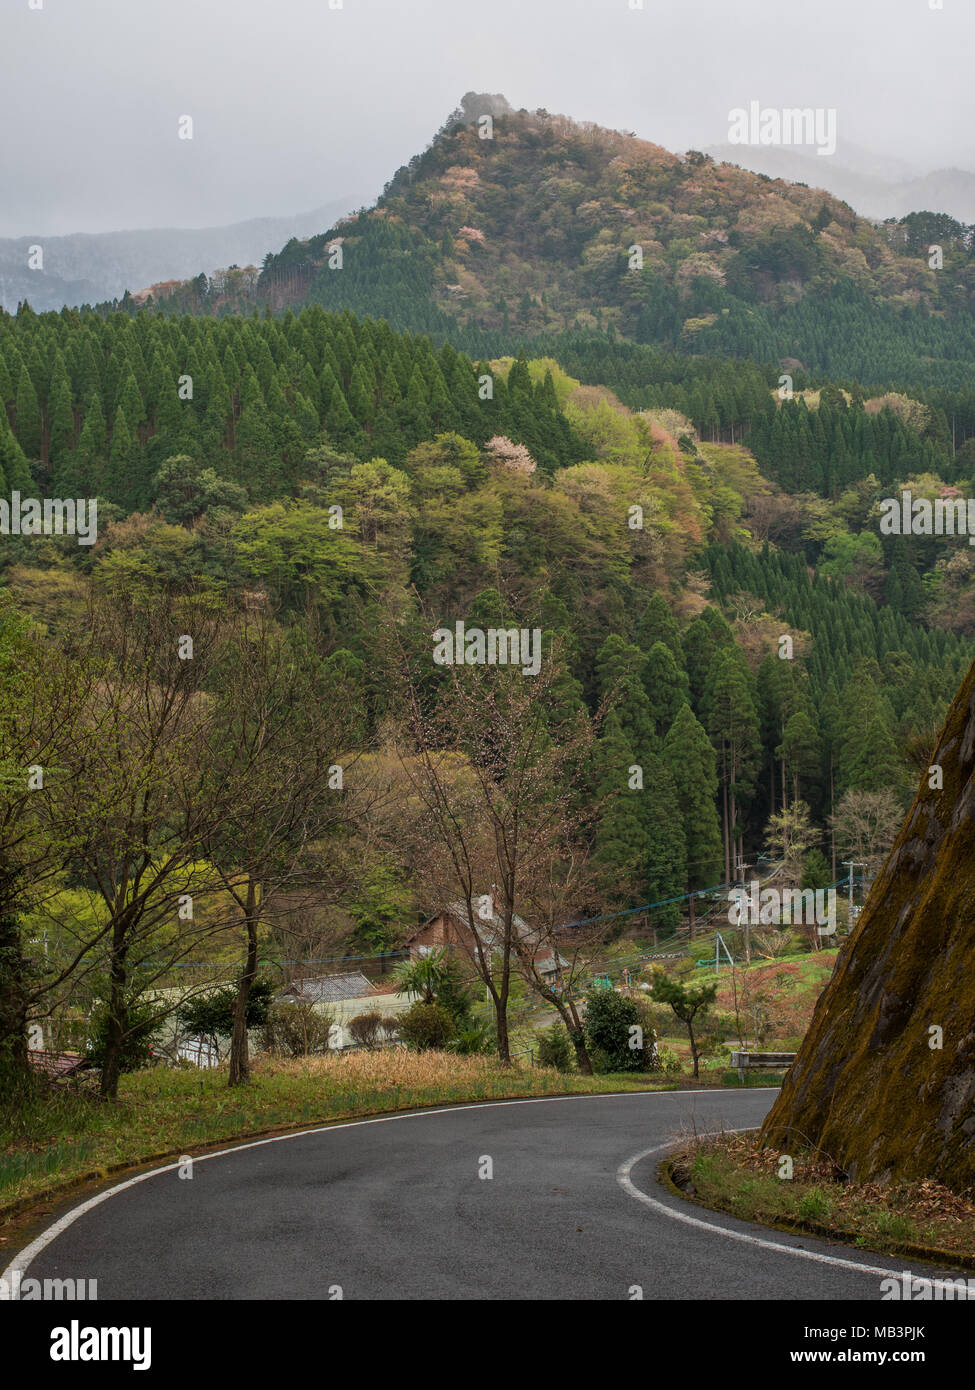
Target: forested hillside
(353, 471)
(467, 406)
(550, 225)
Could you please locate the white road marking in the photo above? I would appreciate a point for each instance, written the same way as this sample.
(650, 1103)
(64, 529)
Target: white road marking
(627, 1184)
(25, 1258)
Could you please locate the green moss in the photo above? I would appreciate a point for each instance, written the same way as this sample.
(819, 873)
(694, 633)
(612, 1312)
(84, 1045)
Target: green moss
(868, 1087)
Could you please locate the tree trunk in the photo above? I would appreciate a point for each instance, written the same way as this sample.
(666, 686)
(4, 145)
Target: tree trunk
(240, 1066)
(732, 823)
(726, 828)
(117, 1020)
(13, 1003)
(501, 1016)
(573, 1026)
(583, 1060)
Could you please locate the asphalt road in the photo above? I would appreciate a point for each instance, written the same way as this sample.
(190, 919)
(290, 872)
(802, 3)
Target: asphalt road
(395, 1209)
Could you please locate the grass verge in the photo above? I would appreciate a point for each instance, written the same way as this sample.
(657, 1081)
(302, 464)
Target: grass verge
(732, 1173)
(66, 1137)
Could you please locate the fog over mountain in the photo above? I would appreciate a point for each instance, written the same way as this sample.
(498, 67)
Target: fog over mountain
(874, 185)
(90, 267)
(298, 109)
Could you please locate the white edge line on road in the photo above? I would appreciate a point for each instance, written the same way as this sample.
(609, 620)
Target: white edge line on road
(627, 1184)
(25, 1257)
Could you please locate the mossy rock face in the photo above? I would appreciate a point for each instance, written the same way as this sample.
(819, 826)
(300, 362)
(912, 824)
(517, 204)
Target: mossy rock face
(867, 1087)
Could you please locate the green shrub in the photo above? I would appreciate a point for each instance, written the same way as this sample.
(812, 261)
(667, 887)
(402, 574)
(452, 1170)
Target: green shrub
(142, 1020)
(212, 1015)
(473, 1037)
(426, 1026)
(553, 1048)
(814, 1205)
(610, 1024)
(890, 1225)
(723, 1027)
(297, 1030)
(656, 1018)
(669, 1062)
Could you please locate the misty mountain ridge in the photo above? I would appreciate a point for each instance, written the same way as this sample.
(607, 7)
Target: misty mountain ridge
(875, 186)
(532, 224)
(540, 224)
(91, 267)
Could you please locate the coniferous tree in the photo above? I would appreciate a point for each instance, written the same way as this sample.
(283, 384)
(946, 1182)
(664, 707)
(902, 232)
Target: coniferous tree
(28, 416)
(666, 861)
(13, 465)
(800, 751)
(658, 624)
(120, 482)
(666, 685)
(690, 759)
(700, 642)
(61, 442)
(622, 838)
(732, 722)
(619, 668)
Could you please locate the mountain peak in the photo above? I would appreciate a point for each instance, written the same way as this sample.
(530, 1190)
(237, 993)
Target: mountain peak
(474, 105)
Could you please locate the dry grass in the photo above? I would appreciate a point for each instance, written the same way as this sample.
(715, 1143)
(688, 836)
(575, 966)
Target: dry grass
(733, 1173)
(66, 1135)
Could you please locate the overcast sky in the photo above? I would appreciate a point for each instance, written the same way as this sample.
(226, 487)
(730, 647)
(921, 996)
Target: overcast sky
(296, 104)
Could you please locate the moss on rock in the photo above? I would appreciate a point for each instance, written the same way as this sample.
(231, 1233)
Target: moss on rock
(867, 1087)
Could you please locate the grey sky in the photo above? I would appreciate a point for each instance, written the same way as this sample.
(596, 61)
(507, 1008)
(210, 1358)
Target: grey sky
(295, 104)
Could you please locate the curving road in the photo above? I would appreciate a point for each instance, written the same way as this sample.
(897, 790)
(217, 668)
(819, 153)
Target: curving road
(395, 1208)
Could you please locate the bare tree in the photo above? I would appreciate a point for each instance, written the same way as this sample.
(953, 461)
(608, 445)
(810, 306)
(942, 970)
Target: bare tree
(563, 896)
(41, 701)
(498, 822)
(134, 799)
(865, 825)
(279, 740)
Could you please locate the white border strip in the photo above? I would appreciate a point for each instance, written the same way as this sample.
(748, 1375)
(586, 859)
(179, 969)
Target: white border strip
(22, 1261)
(25, 1257)
(627, 1184)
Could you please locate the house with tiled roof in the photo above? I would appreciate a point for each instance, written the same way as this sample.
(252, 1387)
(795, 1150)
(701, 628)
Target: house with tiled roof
(343, 998)
(328, 989)
(450, 930)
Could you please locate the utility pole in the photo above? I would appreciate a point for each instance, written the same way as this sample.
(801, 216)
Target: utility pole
(746, 927)
(852, 864)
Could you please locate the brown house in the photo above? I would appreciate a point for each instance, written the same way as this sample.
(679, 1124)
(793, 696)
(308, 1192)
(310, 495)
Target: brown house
(450, 930)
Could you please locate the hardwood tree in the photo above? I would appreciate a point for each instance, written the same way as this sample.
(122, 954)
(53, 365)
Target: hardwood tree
(42, 696)
(137, 799)
(278, 739)
(498, 824)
